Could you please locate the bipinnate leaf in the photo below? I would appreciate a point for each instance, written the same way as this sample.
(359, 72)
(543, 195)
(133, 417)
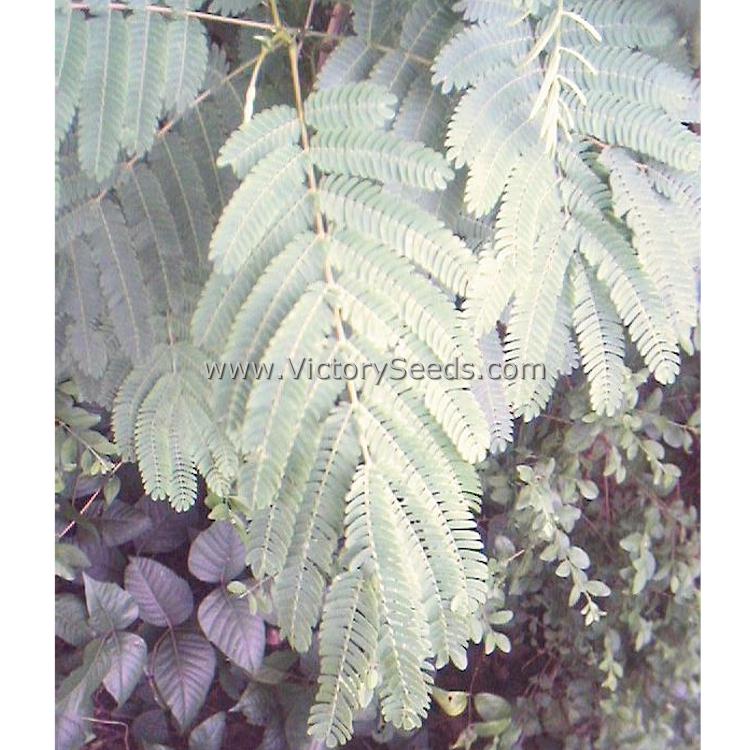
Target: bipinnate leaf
(229, 625)
(103, 93)
(110, 608)
(184, 664)
(492, 396)
(147, 37)
(217, 554)
(187, 57)
(128, 653)
(163, 598)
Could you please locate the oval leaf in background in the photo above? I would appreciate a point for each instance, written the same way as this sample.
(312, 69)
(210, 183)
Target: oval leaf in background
(74, 694)
(71, 620)
(209, 734)
(150, 727)
(163, 598)
(105, 563)
(491, 707)
(184, 664)
(229, 625)
(257, 704)
(168, 531)
(70, 731)
(110, 608)
(129, 652)
(121, 523)
(217, 554)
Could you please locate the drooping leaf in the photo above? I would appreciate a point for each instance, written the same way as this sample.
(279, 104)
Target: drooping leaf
(147, 33)
(209, 734)
(70, 57)
(128, 654)
(82, 301)
(229, 624)
(184, 663)
(491, 394)
(163, 598)
(121, 280)
(110, 608)
(217, 554)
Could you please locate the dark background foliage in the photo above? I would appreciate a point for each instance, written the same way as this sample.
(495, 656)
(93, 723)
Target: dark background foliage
(566, 685)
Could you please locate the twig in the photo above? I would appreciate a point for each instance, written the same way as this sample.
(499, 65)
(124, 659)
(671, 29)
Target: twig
(89, 502)
(167, 127)
(308, 21)
(125, 739)
(335, 23)
(319, 224)
(474, 674)
(83, 442)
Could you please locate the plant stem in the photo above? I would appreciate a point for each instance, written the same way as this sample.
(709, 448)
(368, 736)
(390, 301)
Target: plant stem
(319, 224)
(88, 503)
(111, 722)
(275, 15)
(167, 127)
(308, 21)
(101, 459)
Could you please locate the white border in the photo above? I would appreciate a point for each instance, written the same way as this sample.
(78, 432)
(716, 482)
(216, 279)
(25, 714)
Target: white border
(27, 374)
(26, 312)
(725, 517)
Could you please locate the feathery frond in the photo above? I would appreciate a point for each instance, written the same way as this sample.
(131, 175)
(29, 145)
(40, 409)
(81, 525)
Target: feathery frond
(147, 34)
(361, 105)
(600, 341)
(104, 93)
(490, 393)
(380, 156)
(482, 186)
(273, 128)
(346, 651)
(664, 257)
(187, 57)
(121, 280)
(70, 57)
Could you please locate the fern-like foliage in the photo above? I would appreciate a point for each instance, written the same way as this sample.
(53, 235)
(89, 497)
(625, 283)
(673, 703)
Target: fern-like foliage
(491, 183)
(316, 262)
(162, 418)
(122, 70)
(147, 238)
(563, 118)
(491, 395)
